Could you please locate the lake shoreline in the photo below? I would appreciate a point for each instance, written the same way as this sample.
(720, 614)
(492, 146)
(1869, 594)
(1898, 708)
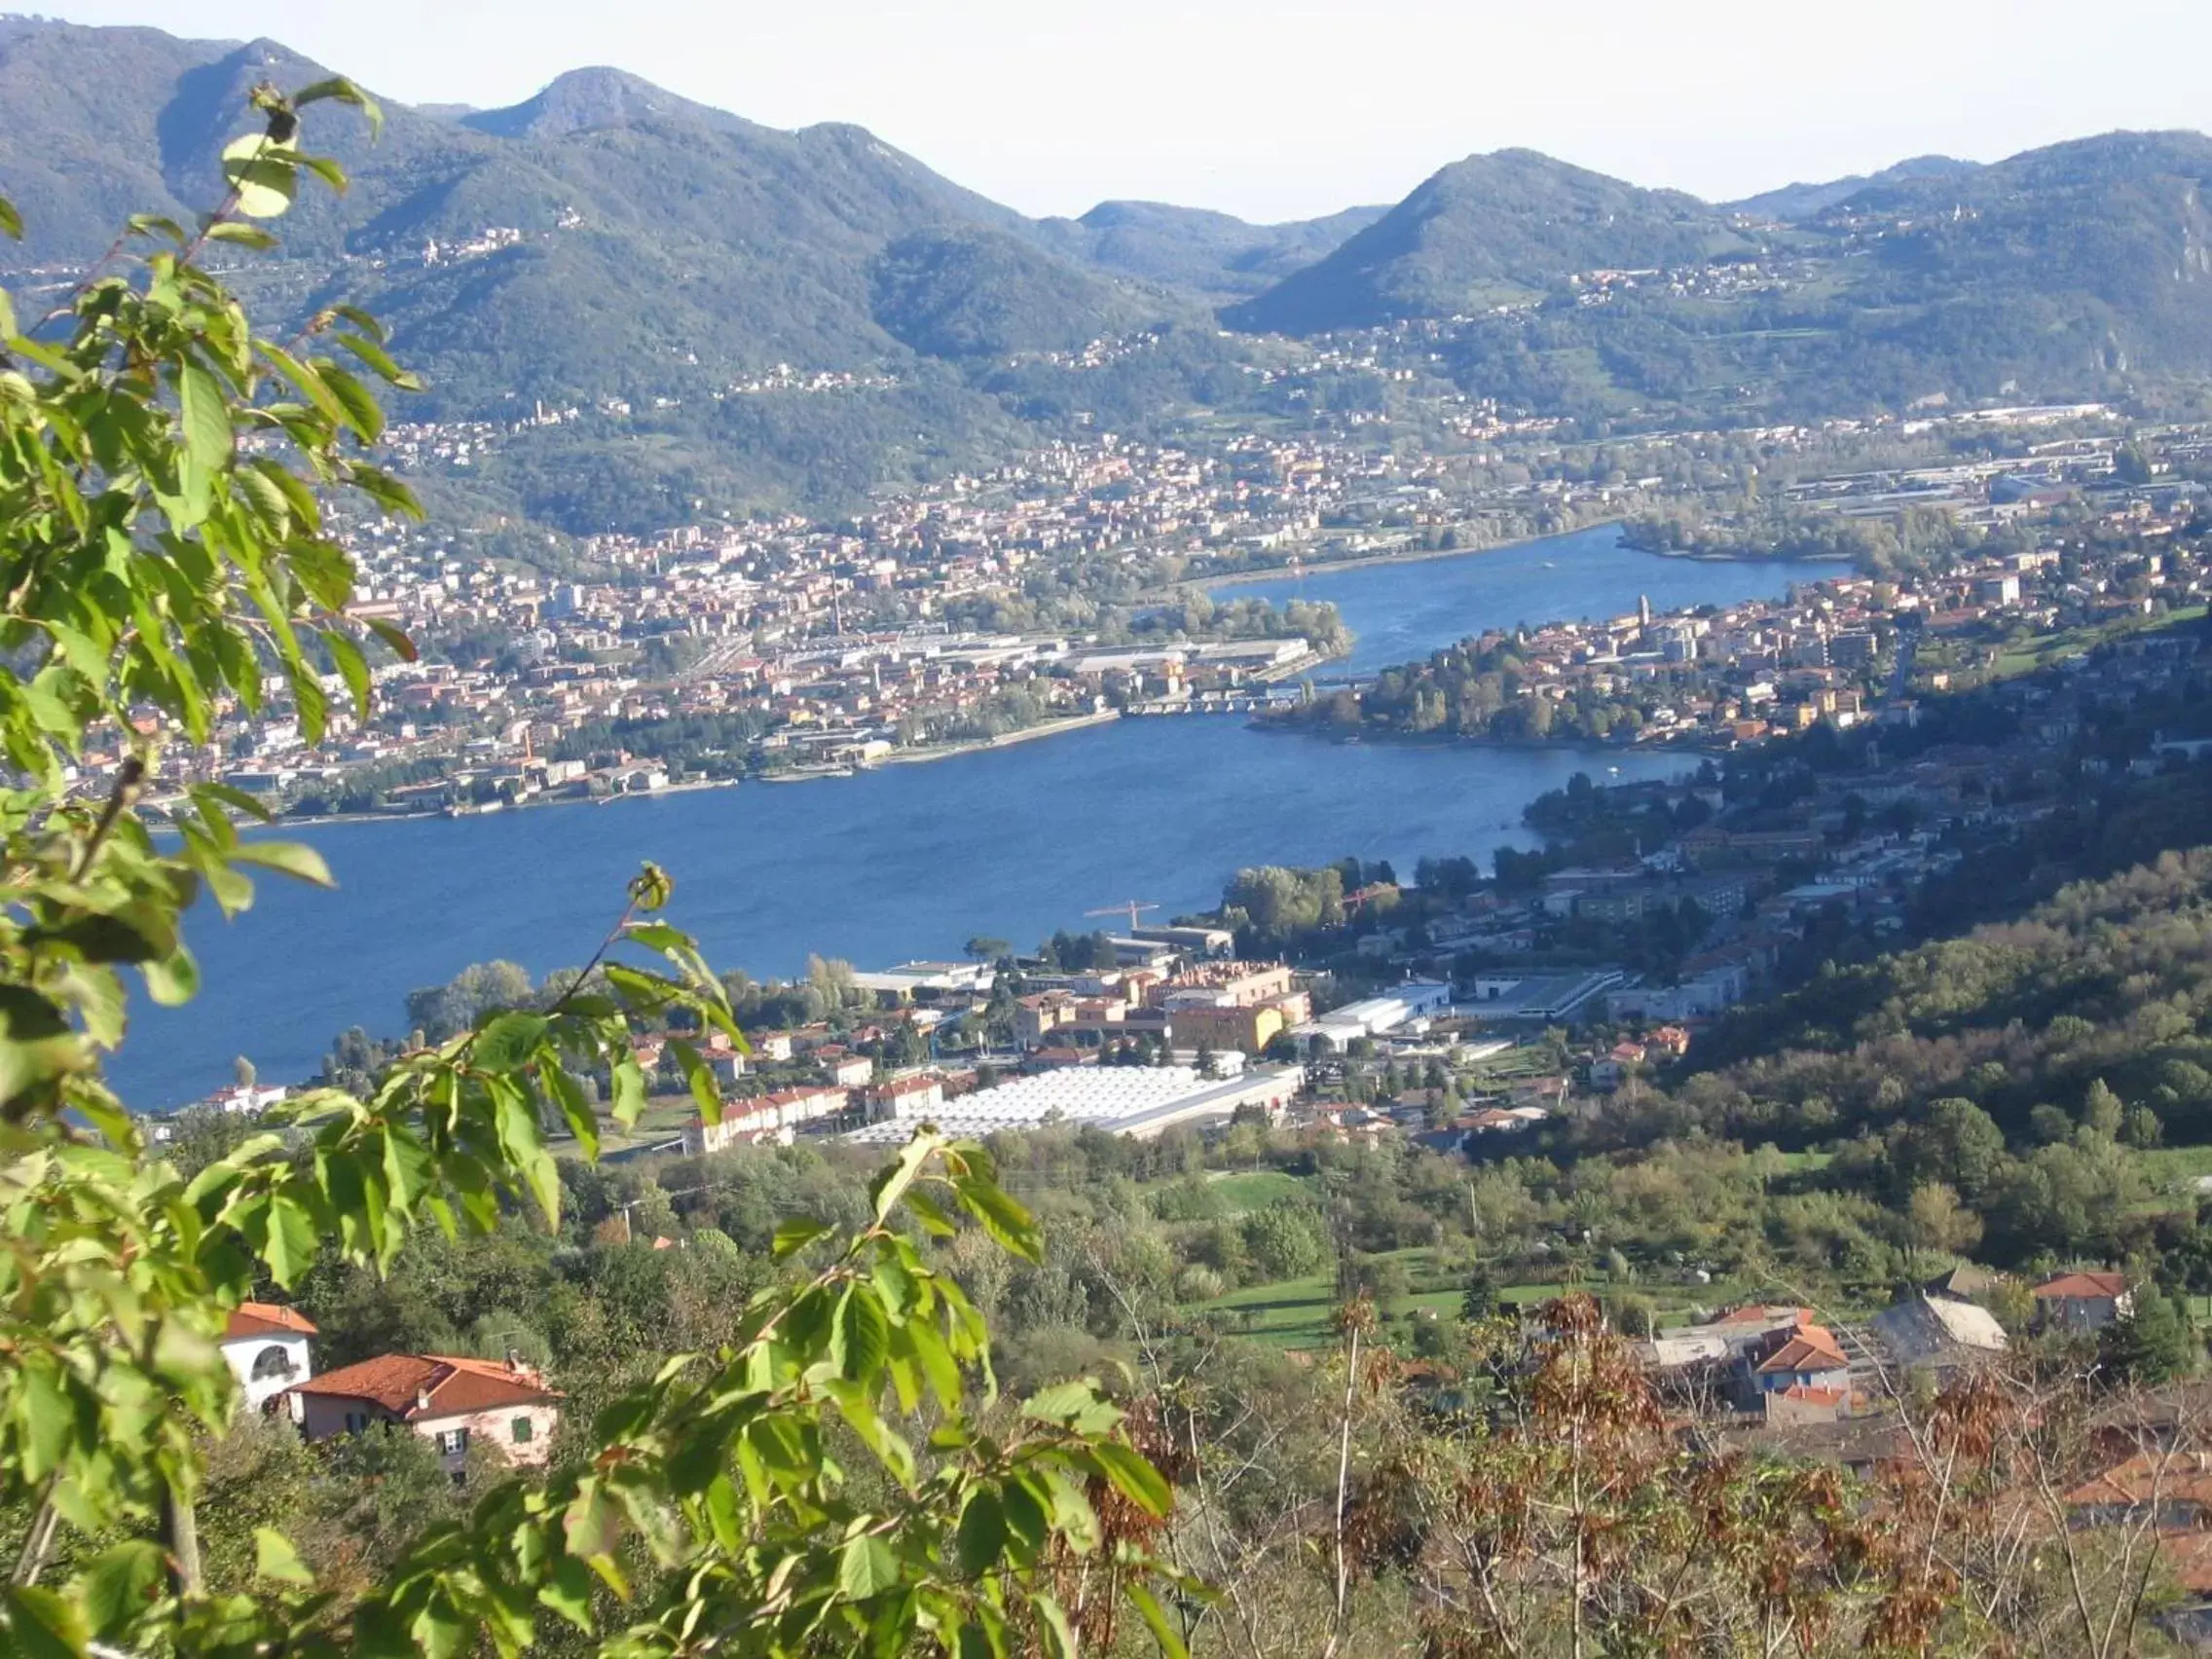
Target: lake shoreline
(905, 757)
(1407, 556)
(1495, 744)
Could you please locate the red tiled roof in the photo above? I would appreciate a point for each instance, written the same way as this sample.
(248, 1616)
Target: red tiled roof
(2189, 1558)
(1814, 1395)
(2173, 1477)
(1809, 1347)
(266, 1319)
(2085, 1286)
(399, 1381)
(1757, 1313)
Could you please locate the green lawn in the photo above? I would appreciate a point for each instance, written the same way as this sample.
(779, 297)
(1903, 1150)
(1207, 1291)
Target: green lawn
(1257, 1189)
(2041, 650)
(2173, 1168)
(1294, 1314)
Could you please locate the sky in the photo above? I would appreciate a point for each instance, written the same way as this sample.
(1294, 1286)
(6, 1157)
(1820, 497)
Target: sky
(1279, 109)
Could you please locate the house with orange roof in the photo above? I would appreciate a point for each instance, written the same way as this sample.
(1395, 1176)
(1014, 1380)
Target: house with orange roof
(451, 1400)
(266, 1347)
(1804, 1355)
(2079, 1303)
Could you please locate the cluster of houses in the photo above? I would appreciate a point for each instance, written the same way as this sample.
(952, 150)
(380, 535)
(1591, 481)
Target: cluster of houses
(454, 1401)
(1783, 1365)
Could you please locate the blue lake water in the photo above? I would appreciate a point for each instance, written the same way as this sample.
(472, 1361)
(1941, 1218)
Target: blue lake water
(910, 860)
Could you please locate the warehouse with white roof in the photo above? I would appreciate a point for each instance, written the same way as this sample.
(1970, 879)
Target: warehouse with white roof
(1125, 1100)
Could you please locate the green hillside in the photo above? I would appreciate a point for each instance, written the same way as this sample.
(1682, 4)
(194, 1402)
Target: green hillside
(1486, 231)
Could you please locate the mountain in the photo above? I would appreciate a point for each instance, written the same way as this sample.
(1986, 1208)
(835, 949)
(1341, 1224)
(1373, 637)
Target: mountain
(607, 244)
(2082, 269)
(1210, 253)
(1486, 231)
(969, 291)
(1796, 202)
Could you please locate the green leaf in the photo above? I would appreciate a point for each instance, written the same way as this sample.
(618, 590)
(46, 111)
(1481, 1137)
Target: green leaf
(40, 1624)
(351, 666)
(651, 888)
(293, 1239)
(866, 1567)
(1065, 1403)
(859, 1343)
(401, 645)
(1133, 1472)
(981, 1537)
(121, 1585)
(247, 236)
(274, 1558)
(291, 858)
(1002, 1217)
(593, 1525)
(174, 979)
(566, 1590)
(239, 798)
(261, 173)
(1052, 1622)
(629, 1092)
(888, 1187)
(583, 1121)
(507, 1043)
(11, 222)
(795, 1234)
(207, 435)
(1164, 1633)
(361, 411)
(345, 92)
(380, 362)
(931, 1214)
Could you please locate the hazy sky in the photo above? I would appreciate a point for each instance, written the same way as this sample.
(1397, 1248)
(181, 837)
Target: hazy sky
(1278, 109)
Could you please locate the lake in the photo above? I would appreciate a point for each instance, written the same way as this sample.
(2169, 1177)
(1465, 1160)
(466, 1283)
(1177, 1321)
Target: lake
(911, 860)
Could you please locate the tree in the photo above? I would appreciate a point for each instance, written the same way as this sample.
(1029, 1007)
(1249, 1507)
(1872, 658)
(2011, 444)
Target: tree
(155, 564)
(2153, 1343)
(2102, 1110)
(984, 948)
(1936, 1221)
(242, 1069)
(1478, 1299)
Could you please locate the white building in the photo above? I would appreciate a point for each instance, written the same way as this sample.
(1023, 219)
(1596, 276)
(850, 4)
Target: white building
(266, 1348)
(1410, 1005)
(1125, 1100)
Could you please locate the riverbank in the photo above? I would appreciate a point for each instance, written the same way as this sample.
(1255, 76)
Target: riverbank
(690, 786)
(1004, 740)
(1294, 727)
(1368, 561)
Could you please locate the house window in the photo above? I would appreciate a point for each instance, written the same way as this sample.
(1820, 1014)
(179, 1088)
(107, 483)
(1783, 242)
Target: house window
(453, 1441)
(523, 1429)
(271, 1361)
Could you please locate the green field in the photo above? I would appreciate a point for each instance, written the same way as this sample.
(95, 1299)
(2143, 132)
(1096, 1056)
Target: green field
(1295, 1313)
(1243, 1192)
(2175, 1168)
(2041, 650)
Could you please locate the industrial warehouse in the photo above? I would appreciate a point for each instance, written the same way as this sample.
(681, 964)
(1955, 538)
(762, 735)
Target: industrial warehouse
(1140, 1101)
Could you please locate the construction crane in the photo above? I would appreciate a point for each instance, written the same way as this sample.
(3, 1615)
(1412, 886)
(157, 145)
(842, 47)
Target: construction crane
(1131, 907)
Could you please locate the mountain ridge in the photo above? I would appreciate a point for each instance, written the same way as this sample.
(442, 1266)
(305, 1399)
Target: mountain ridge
(607, 246)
